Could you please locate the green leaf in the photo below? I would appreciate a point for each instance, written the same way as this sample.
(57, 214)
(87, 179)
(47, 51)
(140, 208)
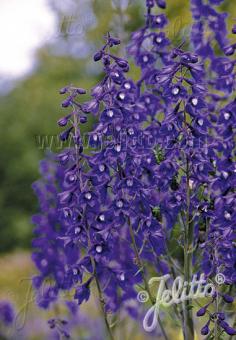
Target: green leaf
(159, 154)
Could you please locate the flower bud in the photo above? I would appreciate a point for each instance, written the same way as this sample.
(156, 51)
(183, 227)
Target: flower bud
(221, 316)
(122, 63)
(229, 50)
(114, 41)
(79, 90)
(66, 102)
(98, 56)
(227, 298)
(201, 311)
(91, 106)
(62, 121)
(63, 158)
(52, 323)
(205, 330)
(97, 91)
(230, 331)
(150, 3)
(161, 3)
(65, 134)
(126, 69)
(63, 90)
(64, 197)
(83, 119)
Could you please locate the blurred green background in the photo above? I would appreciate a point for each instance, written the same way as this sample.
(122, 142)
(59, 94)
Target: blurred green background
(30, 110)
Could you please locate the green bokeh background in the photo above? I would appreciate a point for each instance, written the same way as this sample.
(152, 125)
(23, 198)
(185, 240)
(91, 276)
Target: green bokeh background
(32, 108)
(28, 115)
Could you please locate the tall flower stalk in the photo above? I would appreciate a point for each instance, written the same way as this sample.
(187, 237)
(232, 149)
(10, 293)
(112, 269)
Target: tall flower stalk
(155, 191)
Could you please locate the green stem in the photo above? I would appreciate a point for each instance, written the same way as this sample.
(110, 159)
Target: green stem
(76, 129)
(100, 293)
(141, 267)
(215, 325)
(102, 303)
(178, 313)
(188, 330)
(121, 29)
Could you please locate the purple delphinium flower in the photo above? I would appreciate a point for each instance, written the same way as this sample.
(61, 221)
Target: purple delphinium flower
(112, 182)
(7, 316)
(219, 230)
(159, 178)
(6, 313)
(49, 255)
(103, 193)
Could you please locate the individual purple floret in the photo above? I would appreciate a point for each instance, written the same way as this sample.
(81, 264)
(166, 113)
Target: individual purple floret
(6, 313)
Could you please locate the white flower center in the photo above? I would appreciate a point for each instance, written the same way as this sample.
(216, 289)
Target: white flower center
(101, 167)
(99, 249)
(122, 277)
(227, 115)
(175, 91)
(158, 40)
(118, 147)
(127, 86)
(122, 96)
(88, 196)
(101, 217)
(110, 113)
(200, 122)
(130, 131)
(191, 183)
(119, 204)
(227, 215)
(190, 143)
(225, 174)
(118, 128)
(129, 182)
(201, 167)
(77, 230)
(194, 101)
(72, 178)
(44, 263)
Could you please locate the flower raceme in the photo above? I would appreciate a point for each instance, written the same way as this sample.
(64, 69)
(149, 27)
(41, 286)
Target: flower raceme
(155, 192)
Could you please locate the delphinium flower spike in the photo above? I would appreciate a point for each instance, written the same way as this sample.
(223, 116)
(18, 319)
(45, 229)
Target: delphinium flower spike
(158, 179)
(184, 136)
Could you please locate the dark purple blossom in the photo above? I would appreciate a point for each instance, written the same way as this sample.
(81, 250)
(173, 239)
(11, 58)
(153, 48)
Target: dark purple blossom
(6, 313)
(156, 193)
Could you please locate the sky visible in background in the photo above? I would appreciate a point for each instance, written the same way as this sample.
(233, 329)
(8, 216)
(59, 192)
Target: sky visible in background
(24, 26)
